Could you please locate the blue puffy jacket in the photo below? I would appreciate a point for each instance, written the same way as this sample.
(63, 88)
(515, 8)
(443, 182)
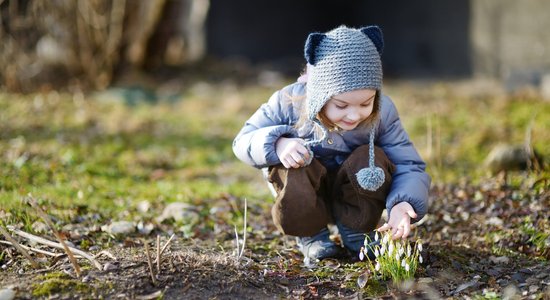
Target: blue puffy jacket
(255, 144)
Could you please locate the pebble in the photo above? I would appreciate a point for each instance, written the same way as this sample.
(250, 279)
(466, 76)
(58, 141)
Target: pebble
(533, 288)
(40, 227)
(143, 206)
(7, 294)
(94, 248)
(110, 267)
(180, 211)
(120, 227)
(510, 292)
(425, 280)
(145, 229)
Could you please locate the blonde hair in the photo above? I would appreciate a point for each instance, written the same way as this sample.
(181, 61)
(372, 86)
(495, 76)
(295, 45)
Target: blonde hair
(321, 116)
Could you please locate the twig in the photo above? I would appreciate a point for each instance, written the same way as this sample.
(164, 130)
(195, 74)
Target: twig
(34, 249)
(18, 247)
(149, 262)
(48, 221)
(241, 251)
(244, 228)
(158, 254)
(166, 245)
(57, 245)
(236, 240)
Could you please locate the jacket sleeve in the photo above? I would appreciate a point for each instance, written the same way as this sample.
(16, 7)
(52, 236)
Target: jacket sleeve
(255, 143)
(410, 182)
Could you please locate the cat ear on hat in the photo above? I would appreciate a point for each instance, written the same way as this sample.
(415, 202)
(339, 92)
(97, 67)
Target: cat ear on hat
(313, 40)
(375, 35)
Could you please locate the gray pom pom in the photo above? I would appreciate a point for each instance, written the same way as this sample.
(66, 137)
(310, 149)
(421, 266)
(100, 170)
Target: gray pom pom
(371, 178)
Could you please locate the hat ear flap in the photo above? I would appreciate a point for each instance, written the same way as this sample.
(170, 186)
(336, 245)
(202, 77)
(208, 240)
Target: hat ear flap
(313, 40)
(375, 35)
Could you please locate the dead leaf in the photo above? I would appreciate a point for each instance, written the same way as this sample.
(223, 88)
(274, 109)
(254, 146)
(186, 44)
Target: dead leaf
(363, 279)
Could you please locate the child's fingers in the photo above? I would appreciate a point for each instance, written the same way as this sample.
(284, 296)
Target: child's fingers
(411, 214)
(406, 231)
(298, 158)
(384, 227)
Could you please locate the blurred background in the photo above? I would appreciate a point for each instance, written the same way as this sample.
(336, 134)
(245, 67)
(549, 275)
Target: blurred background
(94, 43)
(158, 89)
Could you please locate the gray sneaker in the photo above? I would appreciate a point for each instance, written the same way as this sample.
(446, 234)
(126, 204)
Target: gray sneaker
(354, 240)
(318, 247)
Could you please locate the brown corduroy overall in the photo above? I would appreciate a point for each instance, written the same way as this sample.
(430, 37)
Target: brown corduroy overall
(310, 198)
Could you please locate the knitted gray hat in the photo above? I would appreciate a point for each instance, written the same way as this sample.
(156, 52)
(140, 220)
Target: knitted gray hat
(342, 60)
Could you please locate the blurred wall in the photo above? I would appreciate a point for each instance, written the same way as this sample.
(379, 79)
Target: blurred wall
(423, 38)
(511, 40)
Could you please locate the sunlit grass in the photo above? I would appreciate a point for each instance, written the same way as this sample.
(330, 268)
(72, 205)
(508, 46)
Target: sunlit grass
(75, 149)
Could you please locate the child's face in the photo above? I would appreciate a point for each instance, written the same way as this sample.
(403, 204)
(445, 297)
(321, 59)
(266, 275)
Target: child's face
(347, 110)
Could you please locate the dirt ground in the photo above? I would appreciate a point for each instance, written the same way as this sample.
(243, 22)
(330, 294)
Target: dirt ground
(477, 245)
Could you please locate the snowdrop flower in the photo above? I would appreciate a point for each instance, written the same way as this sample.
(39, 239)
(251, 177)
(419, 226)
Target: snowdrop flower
(390, 249)
(408, 250)
(385, 239)
(407, 268)
(376, 236)
(376, 252)
(382, 250)
(401, 251)
(361, 254)
(420, 258)
(403, 263)
(377, 267)
(397, 256)
(419, 246)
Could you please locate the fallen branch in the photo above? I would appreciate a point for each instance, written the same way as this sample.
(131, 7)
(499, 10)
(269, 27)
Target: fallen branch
(18, 247)
(149, 262)
(55, 255)
(48, 221)
(46, 242)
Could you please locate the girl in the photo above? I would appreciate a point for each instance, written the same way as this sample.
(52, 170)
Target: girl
(334, 148)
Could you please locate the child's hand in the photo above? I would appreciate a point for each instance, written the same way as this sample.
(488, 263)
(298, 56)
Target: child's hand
(292, 152)
(400, 220)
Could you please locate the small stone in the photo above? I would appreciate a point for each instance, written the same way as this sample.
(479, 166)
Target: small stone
(500, 259)
(145, 229)
(510, 292)
(120, 227)
(40, 227)
(533, 288)
(180, 211)
(7, 294)
(86, 279)
(143, 206)
(110, 267)
(94, 248)
(425, 280)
